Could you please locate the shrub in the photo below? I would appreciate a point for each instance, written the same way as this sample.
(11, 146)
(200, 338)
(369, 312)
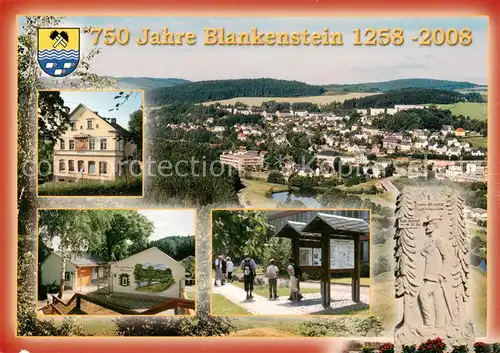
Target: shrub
(386, 348)
(409, 348)
(367, 349)
(202, 326)
(276, 178)
(123, 186)
(370, 324)
(432, 346)
(495, 348)
(321, 327)
(460, 348)
(481, 347)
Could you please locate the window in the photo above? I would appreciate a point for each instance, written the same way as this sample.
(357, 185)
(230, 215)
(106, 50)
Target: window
(81, 127)
(67, 276)
(97, 126)
(104, 144)
(62, 165)
(71, 144)
(89, 124)
(91, 167)
(103, 168)
(62, 144)
(71, 166)
(73, 126)
(91, 144)
(124, 280)
(81, 166)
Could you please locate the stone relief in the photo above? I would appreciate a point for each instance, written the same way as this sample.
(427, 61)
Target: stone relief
(432, 267)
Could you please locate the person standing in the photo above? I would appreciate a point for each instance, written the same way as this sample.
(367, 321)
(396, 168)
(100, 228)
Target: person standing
(223, 270)
(218, 270)
(433, 294)
(248, 267)
(295, 274)
(272, 275)
(230, 269)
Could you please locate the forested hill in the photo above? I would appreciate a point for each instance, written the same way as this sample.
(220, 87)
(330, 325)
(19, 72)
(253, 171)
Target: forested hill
(403, 83)
(203, 91)
(412, 96)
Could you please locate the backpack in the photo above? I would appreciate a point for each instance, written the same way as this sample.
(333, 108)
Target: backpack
(247, 269)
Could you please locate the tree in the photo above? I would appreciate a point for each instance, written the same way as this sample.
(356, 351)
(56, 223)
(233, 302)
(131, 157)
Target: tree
(135, 129)
(237, 233)
(276, 177)
(76, 230)
(53, 116)
(126, 233)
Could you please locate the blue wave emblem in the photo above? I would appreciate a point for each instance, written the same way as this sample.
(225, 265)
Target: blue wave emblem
(58, 63)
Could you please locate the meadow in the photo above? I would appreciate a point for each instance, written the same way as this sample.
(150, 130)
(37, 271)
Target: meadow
(320, 100)
(474, 110)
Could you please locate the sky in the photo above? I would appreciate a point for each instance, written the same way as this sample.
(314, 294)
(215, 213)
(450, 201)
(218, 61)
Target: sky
(171, 222)
(314, 65)
(101, 102)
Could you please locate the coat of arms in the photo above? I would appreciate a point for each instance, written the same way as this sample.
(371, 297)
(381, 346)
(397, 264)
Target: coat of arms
(58, 50)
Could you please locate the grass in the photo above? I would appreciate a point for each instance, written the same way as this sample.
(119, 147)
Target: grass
(477, 141)
(347, 280)
(223, 306)
(282, 291)
(359, 187)
(324, 99)
(129, 186)
(256, 193)
(474, 110)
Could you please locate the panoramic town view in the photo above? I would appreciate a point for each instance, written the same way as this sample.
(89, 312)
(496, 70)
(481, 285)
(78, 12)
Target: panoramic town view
(292, 129)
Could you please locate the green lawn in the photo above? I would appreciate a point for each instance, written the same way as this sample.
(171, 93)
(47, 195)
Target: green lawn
(477, 141)
(365, 281)
(223, 306)
(157, 287)
(282, 291)
(474, 110)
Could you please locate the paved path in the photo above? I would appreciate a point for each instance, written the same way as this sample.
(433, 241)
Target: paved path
(310, 304)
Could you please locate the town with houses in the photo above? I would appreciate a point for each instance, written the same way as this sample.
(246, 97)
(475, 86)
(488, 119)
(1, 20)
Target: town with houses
(459, 160)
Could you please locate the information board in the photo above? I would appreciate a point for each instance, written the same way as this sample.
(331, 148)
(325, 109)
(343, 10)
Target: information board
(341, 254)
(305, 256)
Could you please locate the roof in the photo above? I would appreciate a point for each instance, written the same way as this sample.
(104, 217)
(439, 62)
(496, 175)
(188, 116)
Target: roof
(338, 223)
(117, 127)
(149, 250)
(84, 260)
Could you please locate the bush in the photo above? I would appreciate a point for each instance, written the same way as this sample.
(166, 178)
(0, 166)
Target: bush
(123, 186)
(368, 349)
(432, 346)
(462, 348)
(481, 347)
(365, 269)
(380, 237)
(321, 327)
(386, 348)
(495, 348)
(381, 266)
(276, 178)
(369, 325)
(203, 326)
(409, 348)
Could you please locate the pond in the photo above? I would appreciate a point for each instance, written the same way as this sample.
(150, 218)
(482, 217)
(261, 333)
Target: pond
(308, 198)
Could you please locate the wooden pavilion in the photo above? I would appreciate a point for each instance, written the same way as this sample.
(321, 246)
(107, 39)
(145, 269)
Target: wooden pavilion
(329, 243)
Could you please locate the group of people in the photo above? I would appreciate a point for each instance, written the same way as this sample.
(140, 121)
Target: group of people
(224, 268)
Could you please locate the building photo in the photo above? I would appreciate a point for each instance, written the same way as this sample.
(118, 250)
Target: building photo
(90, 143)
(112, 262)
(291, 262)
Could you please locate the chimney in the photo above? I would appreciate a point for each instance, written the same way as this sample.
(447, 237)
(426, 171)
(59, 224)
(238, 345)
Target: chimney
(113, 120)
(96, 113)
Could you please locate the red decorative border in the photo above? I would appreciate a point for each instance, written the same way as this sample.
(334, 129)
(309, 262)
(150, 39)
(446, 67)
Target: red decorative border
(11, 8)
